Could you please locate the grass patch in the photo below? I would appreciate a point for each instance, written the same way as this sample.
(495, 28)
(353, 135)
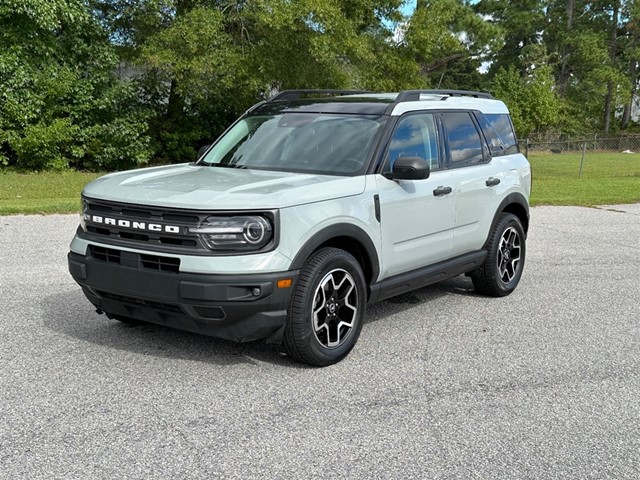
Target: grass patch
(607, 178)
(46, 192)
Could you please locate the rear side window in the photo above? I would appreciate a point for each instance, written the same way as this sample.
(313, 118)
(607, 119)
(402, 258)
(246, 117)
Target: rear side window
(501, 123)
(465, 144)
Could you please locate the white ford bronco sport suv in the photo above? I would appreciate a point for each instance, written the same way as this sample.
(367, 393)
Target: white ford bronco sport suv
(309, 207)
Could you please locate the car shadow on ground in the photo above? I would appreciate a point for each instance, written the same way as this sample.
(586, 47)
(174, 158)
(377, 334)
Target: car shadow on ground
(70, 314)
(460, 285)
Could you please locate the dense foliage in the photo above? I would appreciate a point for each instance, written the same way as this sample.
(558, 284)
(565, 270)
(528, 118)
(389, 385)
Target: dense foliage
(110, 84)
(61, 102)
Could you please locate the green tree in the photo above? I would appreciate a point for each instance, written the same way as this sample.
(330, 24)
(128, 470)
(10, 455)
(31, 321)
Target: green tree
(584, 38)
(449, 40)
(522, 23)
(203, 62)
(631, 54)
(531, 98)
(587, 45)
(61, 103)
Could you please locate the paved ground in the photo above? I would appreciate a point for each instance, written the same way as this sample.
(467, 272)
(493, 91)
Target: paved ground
(442, 384)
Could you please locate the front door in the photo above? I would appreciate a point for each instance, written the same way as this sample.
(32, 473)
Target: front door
(417, 216)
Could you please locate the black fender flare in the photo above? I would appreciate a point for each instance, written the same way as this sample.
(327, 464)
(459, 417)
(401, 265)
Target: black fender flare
(512, 198)
(338, 230)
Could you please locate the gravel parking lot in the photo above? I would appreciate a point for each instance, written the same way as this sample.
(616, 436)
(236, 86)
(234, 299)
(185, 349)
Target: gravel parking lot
(442, 384)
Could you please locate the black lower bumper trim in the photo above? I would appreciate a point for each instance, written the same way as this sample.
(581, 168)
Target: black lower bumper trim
(234, 307)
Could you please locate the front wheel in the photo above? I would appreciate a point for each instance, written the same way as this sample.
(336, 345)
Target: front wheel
(502, 269)
(327, 308)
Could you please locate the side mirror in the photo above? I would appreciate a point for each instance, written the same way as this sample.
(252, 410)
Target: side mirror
(409, 168)
(201, 151)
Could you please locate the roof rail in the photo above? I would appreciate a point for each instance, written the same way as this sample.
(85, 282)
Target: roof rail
(414, 95)
(296, 94)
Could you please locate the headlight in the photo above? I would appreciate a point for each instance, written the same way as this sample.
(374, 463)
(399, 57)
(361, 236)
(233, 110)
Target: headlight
(235, 233)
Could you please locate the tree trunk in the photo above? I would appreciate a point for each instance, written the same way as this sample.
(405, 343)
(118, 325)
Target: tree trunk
(563, 77)
(607, 107)
(609, 100)
(626, 114)
(175, 105)
(633, 76)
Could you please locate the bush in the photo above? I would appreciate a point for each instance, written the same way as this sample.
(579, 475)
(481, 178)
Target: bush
(61, 103)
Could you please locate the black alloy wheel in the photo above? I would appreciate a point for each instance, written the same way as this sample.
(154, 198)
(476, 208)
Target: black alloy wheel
(506, 248)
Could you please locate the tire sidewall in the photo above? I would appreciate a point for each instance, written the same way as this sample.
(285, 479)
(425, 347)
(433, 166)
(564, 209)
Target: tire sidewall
(341, 260)
(508, 221)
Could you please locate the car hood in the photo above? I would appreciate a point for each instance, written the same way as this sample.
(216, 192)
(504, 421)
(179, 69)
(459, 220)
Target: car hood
(201, 187)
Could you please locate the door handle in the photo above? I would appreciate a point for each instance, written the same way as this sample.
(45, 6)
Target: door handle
(492, 182)
(442, 191)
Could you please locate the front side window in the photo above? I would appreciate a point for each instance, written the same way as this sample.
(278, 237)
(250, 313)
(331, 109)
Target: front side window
(415, 136)
(297, 142)
(465, 144)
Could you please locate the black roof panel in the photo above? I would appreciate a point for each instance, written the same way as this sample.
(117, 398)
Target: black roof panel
(353, 105)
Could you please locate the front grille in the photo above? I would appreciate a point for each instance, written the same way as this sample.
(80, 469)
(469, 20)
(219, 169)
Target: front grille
(134, 236)
(164, 264)
(167, 307)
(180, 241)
(129, 226)
(135, 260)
(108, 255)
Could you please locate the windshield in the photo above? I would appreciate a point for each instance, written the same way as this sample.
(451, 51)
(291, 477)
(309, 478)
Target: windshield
(300, 142)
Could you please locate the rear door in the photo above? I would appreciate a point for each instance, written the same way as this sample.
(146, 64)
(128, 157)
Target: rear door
(475, 177)
(417, 216)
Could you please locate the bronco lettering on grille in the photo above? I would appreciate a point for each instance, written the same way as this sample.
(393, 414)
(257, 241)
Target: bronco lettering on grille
(118, 222)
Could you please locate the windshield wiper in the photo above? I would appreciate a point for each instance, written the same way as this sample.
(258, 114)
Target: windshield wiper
(225, 165)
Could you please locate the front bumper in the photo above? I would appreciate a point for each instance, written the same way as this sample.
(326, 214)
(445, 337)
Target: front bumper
(235, 307)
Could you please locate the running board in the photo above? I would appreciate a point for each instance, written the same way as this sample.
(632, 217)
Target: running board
(406, 282)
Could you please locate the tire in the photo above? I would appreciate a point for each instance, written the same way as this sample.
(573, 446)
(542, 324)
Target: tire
(327, 309)
(502, 269)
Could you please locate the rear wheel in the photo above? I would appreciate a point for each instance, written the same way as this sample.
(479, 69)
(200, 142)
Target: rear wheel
(502, 269)
(327, 308)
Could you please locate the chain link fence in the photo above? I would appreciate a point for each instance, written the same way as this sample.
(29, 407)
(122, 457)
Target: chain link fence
(557, 144)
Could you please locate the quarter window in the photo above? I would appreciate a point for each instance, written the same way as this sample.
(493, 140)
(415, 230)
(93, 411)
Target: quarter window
(502, 124)
(465, 144)
(496, 145)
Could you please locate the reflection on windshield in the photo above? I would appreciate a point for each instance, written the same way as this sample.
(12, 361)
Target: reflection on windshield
(307, 142)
